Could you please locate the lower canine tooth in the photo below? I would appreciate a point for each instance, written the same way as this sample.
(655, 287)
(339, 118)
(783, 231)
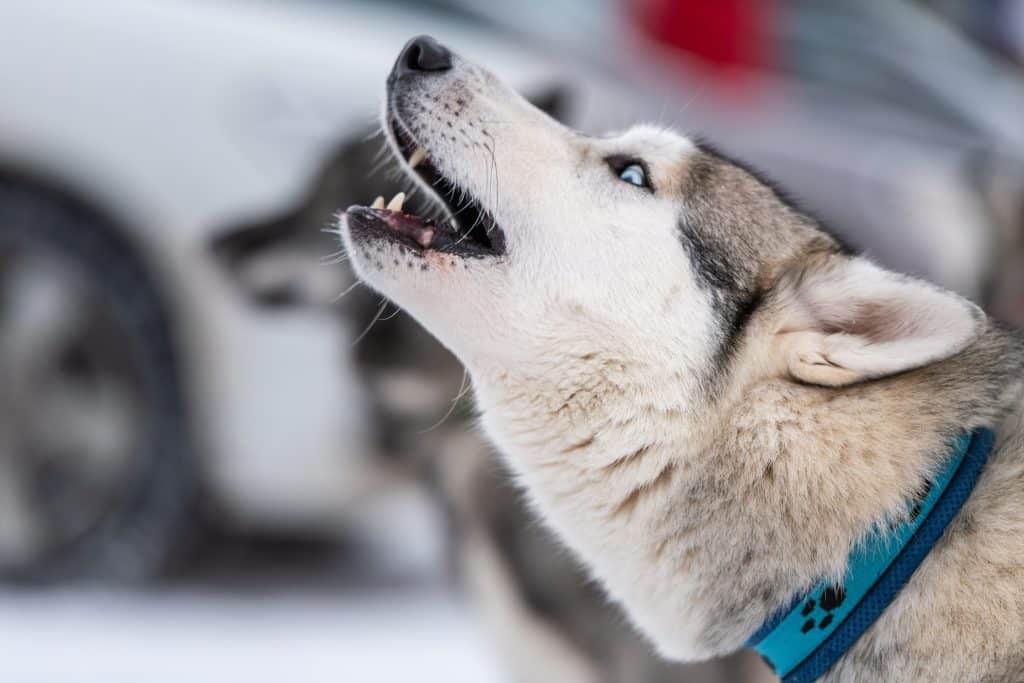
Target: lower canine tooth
(378, 203)
(396, 202)
(424, 238)
(419, 155)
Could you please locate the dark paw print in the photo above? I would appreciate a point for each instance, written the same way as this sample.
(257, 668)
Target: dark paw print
(831, 598)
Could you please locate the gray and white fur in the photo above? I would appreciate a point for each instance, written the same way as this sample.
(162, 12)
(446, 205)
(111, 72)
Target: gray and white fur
(702, 392)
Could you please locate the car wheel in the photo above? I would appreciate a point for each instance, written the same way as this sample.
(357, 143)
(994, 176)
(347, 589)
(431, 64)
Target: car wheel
(96, 476)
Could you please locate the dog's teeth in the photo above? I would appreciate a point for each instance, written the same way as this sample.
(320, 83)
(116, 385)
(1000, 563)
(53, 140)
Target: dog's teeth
(424, 238)
(396, 202)
(419, 155)
(378, 203)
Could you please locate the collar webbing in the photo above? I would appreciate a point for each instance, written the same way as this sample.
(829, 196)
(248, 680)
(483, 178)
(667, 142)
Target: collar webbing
(804, 639)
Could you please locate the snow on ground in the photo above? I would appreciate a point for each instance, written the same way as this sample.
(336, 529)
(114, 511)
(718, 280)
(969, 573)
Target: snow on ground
(206, 634)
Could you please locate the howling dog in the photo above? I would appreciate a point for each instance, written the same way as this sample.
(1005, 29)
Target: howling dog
(751, 436)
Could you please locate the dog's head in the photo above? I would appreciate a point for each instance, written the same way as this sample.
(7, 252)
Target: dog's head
(547, 244)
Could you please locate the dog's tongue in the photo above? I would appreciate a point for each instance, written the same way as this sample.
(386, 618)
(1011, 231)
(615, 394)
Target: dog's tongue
(407, 224)
(403, 223)
(415, 228)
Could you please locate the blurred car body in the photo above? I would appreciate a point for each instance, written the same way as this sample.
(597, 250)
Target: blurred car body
(174, 124)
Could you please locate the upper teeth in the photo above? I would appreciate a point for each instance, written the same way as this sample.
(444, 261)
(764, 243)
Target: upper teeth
(378, 203)
(396, 202)
(419, 155)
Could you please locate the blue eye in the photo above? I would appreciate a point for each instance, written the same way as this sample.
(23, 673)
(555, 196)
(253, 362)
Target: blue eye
(634, 175)
(629, 169)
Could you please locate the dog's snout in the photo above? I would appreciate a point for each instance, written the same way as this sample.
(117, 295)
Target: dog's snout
(423, 53)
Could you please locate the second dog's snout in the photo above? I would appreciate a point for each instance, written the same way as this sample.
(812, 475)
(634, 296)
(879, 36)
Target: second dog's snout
(423, 53)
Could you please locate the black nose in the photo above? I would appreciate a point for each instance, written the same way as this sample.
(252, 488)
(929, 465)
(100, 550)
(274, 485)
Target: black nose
(423, 53)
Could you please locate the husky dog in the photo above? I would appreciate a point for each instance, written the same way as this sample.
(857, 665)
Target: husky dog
(703, 393)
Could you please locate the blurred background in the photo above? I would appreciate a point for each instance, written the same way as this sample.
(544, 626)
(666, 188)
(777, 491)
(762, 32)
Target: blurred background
(221, 459)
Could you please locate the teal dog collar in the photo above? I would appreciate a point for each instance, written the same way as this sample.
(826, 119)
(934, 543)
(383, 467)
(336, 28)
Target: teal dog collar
(802, 641)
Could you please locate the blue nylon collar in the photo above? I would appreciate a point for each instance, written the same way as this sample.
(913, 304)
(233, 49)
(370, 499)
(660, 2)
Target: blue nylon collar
(803, 640)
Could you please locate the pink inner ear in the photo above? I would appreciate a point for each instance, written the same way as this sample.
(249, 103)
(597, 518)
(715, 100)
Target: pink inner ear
(877, 323)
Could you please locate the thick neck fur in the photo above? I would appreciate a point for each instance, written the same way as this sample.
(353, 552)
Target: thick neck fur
(704, 510)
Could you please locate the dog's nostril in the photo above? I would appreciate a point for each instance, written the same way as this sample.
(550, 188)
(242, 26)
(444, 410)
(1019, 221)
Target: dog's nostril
(423, 53)
(411, 58)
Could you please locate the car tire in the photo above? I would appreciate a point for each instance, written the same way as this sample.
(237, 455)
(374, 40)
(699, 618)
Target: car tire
(127, 515)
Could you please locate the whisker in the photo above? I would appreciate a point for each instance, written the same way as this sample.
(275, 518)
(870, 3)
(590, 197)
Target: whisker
(345, 293)
(340, 252)
(381, 160)
(380, 312)
(463, 388)
(392, 315)
(480, 213)
(383, 147)
(377, 130)
(334, 259)
(699, 92)
(497, 191)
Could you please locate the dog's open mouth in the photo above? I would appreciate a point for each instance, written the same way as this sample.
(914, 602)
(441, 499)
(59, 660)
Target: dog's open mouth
(464, 227)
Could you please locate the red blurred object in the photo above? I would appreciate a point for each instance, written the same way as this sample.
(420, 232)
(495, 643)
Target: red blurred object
(723, 34)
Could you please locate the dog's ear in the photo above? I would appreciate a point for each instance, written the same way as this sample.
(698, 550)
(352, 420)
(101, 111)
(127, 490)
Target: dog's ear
(553, 100)
(846, 320)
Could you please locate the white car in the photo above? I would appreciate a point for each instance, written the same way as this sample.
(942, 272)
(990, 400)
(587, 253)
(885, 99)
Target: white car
(150, 348)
